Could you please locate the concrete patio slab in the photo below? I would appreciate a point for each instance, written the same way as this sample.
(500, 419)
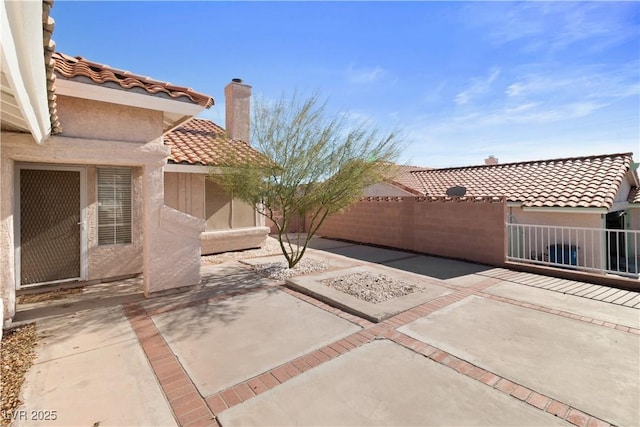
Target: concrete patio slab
(321, 243)
(589, 367)
(467, 280)
(93, 371)
(311, 285)
(386, 385)
(574, 304)
(80, 332)
(220, 346)
(369, 253)
(440, 268)
(217, 280)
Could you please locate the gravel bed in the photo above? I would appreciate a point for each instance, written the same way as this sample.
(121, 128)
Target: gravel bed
(371, 287)
(280, 270)
(17, 355)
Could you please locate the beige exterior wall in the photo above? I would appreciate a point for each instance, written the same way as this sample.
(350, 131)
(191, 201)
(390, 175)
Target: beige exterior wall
(185, 192)
(533, 243)
(571, 219)
(634, 217)
(231, 224)
(106, 261)
(156, 227)
(82, 118)
(383, 189)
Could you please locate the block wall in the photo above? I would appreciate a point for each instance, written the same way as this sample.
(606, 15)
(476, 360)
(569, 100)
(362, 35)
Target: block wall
(471, 229)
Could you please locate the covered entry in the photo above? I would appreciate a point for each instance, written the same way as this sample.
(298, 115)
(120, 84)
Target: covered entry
(50, 224)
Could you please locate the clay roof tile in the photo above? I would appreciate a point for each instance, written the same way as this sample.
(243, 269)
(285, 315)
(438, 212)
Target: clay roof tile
(70, 67)
(591, 181)
(202, 142)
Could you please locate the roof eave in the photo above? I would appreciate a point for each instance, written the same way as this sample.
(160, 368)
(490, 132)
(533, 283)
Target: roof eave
(22, 49)
(123, 97)
(567, 209)
(190, 168)
(406, 188)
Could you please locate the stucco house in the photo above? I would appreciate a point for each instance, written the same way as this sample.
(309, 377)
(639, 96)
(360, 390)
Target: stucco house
(87, 151)
(547, 197)
(400, 182)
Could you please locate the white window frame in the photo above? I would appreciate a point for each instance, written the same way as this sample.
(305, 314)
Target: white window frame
(98, 225)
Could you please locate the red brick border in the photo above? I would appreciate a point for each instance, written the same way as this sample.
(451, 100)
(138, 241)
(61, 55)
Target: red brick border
(191, 409)
(497, 382)
(245, 390)
(188, 407)
(562, 313)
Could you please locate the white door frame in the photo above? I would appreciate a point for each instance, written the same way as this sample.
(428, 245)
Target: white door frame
(83, 220)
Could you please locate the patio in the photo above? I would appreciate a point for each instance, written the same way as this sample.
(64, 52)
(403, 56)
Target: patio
(494, 349)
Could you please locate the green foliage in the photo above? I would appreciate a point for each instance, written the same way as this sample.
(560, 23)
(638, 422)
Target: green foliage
(315, 165)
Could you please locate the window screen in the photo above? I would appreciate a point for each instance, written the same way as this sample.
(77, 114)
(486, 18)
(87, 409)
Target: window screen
(114, 206)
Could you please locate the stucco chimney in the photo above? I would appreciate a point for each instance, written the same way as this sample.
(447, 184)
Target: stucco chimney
(237, 109)
(491, 160)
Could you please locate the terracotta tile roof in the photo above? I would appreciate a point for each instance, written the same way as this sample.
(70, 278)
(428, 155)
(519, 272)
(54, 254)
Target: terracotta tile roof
(74, 67)
(202, 142)
(585, 182)
(634, 196)
(405, 178)
(49, 47)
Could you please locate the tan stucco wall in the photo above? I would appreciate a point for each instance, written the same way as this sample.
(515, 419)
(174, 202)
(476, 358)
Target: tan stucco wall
(384, 189)
(171, 239)
(83, 118)
(106, 261)
(634, 217)
(521, 216)
(231, 224)
(591, 245)
(185, 192)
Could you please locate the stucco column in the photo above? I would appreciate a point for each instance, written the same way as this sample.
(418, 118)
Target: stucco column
(171, 238)
(7, 260)
(153, 199)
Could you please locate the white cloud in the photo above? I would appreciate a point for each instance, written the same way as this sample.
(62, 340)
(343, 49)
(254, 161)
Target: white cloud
(556, 26)
(365, 75)
(478, 86)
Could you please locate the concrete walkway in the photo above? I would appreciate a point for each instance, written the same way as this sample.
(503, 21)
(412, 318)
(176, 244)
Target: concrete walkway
(243, 350)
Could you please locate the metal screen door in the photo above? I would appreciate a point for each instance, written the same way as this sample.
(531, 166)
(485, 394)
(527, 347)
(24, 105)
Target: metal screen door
(49, 226)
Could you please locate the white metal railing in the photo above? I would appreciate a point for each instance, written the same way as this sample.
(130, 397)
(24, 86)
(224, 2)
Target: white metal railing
(591, 249)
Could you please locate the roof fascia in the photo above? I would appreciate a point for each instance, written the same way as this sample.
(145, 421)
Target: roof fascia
(410, 191)
(187, 168)
(124, 97)
(632, 173)
(619, 206)
(514, 204)
(18, 47)
(557, 209)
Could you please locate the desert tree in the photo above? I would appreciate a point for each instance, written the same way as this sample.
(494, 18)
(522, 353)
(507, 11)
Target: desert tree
(314, 165)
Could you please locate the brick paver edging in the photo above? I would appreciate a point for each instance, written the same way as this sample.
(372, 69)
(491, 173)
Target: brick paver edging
(189, 408)
(491, 379)
(562, 313)
(252, 387)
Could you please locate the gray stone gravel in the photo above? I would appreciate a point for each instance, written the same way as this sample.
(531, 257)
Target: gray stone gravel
(371, 287)
(280, 270)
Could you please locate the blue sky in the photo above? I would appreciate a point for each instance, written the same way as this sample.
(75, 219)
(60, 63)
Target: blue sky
(464, 80)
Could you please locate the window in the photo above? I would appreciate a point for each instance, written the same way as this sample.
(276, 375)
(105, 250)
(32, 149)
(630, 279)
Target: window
(114, 206)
